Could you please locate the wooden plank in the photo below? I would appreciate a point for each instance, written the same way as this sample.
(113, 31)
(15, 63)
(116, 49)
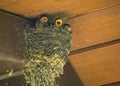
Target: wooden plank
(96, 27)
(99, 66)
(70, 78)
(8, 2)
(30, 8)
(12, 49)
(113, 84)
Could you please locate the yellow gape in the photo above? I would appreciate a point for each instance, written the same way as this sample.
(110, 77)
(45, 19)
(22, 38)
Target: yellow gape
(44, 19)
(58, 22)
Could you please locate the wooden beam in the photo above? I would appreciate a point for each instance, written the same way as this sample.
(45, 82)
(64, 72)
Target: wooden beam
(12, 48)
(30, 8)
(95, 28)
(98, 66)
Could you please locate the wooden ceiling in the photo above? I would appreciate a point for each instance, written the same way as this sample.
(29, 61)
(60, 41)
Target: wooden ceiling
(91, 20)
(93, 23)
(30, 8)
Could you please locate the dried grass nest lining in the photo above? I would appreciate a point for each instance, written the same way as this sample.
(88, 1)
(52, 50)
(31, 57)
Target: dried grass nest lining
(47, 50)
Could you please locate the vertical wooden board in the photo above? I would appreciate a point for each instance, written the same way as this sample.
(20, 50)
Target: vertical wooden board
(30, 8)
(70, 78)
(14, 81)
(12, 46)
(96, 27)
(99, 66)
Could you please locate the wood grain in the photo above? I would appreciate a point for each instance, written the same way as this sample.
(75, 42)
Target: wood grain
(30, 8)
(4, 3)
(95, 28)
(92, 22)
(99, 66)
(12, 46)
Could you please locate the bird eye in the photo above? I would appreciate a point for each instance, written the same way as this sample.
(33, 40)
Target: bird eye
(44, 19)
(58, 22)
